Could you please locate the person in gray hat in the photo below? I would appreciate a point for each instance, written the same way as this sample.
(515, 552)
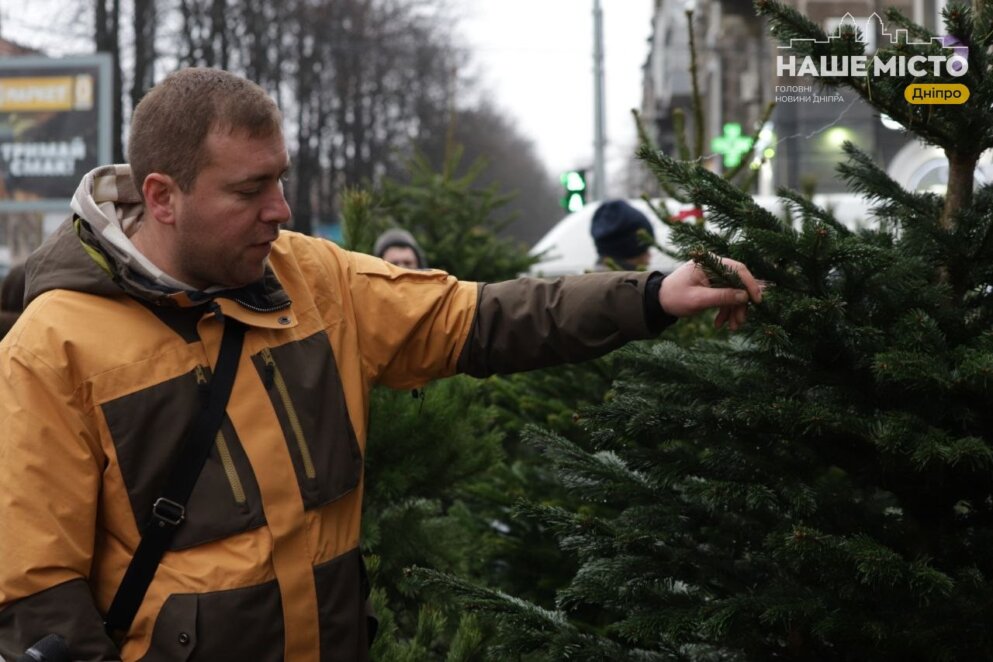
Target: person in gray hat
(397, 246)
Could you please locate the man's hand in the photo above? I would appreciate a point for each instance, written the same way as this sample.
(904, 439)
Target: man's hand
(686, 291)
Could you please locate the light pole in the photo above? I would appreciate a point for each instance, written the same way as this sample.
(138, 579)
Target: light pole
(599, 139)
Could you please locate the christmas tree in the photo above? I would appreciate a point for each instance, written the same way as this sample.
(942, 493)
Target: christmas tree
(456, 221)
(434, 464)
(818, 486)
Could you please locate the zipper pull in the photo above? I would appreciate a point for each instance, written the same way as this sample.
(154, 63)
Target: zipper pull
(270, 369)
(203, 386)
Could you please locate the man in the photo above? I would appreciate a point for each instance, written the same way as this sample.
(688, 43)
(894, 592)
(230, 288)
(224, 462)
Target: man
(103, 373)
(622, 236)
(397, 246)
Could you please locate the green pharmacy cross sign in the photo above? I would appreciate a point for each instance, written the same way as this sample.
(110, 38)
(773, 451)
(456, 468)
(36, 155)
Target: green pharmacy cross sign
(732, 145)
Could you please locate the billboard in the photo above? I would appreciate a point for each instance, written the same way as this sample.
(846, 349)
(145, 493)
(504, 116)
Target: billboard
(55, 126)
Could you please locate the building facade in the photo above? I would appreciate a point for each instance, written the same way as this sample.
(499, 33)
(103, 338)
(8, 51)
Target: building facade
(738, 76)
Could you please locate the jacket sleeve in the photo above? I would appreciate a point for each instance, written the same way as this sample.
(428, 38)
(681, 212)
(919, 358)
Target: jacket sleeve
(410, 325)
(531, 323)
(50, 470)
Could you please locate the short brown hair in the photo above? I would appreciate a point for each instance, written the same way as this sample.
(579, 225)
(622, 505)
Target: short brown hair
(170, 125)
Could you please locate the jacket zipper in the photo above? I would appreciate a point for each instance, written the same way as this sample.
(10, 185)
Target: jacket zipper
(267, 309)
(291, 413)
(223, 452)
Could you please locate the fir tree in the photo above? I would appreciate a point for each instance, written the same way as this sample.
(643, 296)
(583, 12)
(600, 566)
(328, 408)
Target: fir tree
(432, 455)
(456, 221)
(424, 455)
(819, 486)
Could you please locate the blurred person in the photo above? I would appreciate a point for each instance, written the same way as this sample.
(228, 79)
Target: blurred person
(11, 298)
(616, 228)
(397, 246)
(127, 304)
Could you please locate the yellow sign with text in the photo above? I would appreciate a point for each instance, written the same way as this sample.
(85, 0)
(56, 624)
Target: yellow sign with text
(936, 93)
(33, 94)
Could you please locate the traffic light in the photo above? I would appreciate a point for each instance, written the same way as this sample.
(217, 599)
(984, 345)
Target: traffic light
(574, 182)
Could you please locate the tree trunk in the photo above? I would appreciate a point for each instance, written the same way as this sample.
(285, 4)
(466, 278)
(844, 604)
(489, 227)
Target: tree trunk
(107, 40)
(219, 47)
(961, 179)
(144, 49)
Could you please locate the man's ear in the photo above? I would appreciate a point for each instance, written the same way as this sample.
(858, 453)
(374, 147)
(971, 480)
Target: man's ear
(160, 192)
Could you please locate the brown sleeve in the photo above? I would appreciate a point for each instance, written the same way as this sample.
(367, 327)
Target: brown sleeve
(532, 323)
(66, 609)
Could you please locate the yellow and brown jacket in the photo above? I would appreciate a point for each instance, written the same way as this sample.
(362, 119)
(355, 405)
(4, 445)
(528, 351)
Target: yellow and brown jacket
(100, 378)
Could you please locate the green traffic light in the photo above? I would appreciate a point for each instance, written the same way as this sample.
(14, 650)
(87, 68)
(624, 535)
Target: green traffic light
(574, 181)
(575, 202)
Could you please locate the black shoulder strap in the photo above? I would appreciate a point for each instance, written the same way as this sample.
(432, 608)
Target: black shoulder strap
(169, 510)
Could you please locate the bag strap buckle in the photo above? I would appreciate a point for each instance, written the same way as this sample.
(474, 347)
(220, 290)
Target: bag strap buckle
(166, 511)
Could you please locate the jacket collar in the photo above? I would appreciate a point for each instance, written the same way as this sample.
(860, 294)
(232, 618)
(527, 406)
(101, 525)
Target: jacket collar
(74, 258)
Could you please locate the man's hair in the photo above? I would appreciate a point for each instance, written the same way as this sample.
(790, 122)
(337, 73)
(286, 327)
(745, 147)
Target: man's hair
(170, 125)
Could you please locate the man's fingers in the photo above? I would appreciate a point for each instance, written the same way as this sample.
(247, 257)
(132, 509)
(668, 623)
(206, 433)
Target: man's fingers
(714, 297)
(733, 316)
(687, 291)
(747, 279)
(740, 314)
(722, 317)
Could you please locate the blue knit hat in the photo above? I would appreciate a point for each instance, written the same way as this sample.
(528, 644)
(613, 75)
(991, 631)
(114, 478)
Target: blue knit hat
(615, 230)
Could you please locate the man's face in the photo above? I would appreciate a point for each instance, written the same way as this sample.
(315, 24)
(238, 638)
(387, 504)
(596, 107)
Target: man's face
(226, 223)
(402, 256)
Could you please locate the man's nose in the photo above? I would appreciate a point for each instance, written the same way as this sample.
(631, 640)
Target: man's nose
(276, 209)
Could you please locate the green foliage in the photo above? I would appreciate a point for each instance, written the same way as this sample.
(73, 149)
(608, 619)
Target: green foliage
(429, 640)
(433, 456)
(818, 486)
(439, 493)
(456, 221)
(425, 451)
(525, 561)
(361, 220)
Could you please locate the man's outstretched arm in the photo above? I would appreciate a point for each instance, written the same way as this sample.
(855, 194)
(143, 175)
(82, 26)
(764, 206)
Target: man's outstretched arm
(529, 323)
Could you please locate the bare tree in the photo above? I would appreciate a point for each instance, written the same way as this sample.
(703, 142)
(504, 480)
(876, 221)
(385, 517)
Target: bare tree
(485, 132)
(369, 77)
(144, 22)
(106, 37)
(362, 84)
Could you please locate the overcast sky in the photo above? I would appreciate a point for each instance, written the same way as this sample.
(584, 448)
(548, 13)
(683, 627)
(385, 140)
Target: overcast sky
(536, 57)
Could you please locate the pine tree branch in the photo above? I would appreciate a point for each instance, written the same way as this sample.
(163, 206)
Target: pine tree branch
(679, 129)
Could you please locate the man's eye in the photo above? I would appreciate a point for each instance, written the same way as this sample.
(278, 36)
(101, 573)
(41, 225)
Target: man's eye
(249, 192)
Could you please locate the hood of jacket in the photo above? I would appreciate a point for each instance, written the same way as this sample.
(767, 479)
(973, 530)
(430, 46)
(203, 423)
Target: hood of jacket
(91, 252)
